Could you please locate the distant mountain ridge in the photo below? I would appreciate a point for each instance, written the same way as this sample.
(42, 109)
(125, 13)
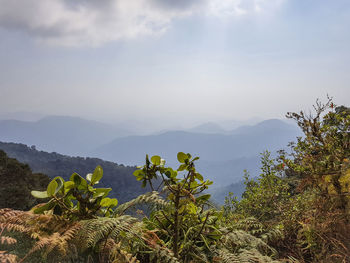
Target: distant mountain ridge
(246, 142)
(220, 153)
(209, 127)
(224, 153)
(68, 135)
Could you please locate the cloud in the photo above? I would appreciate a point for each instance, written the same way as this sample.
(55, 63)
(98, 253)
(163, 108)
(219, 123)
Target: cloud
(92, 23)
(242, 7)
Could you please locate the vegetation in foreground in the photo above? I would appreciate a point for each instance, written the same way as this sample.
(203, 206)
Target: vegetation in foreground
(296, 211)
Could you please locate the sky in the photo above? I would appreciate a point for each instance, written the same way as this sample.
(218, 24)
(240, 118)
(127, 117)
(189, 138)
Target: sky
(174, 62)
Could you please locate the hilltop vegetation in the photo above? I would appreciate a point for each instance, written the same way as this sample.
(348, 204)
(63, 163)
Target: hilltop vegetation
(298, 210)
(17, 181)
(119, 177)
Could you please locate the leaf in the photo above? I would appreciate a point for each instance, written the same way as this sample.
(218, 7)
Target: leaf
(181, 157)
(39, 194)
(97, 175)
(199, 177)
(205, 197)
(60, 184)
(89, 177)
(181, 209)
(76, 178)
(101, 192)
(139, 174)
(51, 188)
(108, 202)
(79, 181)
(156, 160)
(68, 185)
(41, 209)
(182, 167)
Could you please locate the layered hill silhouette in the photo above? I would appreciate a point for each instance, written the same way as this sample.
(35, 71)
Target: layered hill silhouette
(68, 135)
(223, 156)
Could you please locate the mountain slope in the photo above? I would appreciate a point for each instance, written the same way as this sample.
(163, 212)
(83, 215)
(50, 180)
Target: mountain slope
(209, 127)
(219, 153)
(68, 135)
(119, 177)
(17, 181)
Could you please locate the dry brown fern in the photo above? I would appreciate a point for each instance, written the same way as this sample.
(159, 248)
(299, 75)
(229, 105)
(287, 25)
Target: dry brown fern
(10, 221)
(7, 258)
(56, 242)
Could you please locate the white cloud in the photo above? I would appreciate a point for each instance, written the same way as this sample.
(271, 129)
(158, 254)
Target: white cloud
(242, 7)
(91, 22)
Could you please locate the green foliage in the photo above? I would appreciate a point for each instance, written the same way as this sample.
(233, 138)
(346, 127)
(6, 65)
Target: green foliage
(297, 210)
(77, 198)
(116, 176)
(17, 180)
(184, 223)
(264, 198)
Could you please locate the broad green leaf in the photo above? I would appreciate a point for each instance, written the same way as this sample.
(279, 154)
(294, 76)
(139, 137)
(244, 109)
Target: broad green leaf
(101, 192)
(181, 157)
(182, 167)
(46, 207)
(199, 177)
(139, 174)
(108, 202)
(51, 188)
(39, 194)
(76, 178)
(156, 160)
(60, 183)
(79, 181)
(97, 175)
(114, 202)
(68, 185)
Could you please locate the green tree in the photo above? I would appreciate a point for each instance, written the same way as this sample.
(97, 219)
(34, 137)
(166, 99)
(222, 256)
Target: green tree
(265, 197)
(17, 180)
(184, 224)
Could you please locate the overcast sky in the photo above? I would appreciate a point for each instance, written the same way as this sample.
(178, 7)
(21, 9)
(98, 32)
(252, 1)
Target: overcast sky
(173, 61)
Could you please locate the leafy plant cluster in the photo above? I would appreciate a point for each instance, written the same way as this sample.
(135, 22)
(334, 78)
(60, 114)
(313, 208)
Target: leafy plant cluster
(297, 210)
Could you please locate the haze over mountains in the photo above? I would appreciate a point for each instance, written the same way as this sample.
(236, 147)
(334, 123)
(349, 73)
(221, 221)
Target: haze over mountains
(224, 153)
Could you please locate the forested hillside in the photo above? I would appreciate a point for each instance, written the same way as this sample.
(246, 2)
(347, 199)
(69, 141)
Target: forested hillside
(119, 177)
(17, 181)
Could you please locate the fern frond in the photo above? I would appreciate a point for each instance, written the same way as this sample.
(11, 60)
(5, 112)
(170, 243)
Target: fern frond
(148, 198)
(272, 235)
(118, 255)
(164, 255)
(95, 230)
(59, 242)
(7, 258)
(7, 240)
(239, 239)
(242, 256)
